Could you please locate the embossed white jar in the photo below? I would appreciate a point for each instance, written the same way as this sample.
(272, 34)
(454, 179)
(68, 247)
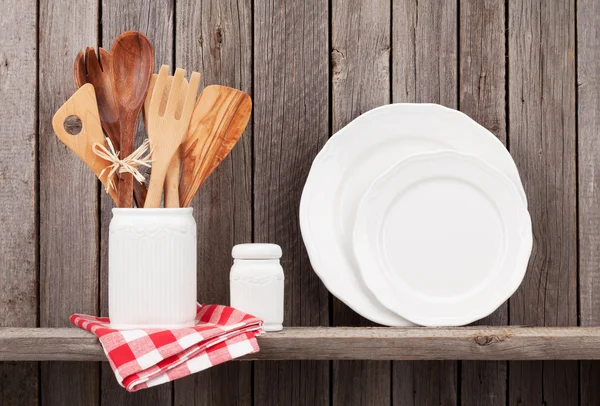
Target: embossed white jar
(152, 268)
(256, 283)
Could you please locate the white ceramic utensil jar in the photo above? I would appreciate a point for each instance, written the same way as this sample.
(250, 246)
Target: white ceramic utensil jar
(152, 268)
(256, 283)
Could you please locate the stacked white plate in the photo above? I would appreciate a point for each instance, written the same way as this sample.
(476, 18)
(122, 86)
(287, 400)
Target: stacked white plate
(414, 214)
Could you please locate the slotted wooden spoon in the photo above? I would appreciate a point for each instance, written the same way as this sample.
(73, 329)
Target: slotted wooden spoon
(83, 105)
(219, 119)
(166, 131)
(96, 70)
(132, 64)
(171, 186)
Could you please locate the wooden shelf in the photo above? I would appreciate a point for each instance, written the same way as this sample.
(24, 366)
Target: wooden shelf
(344, 343)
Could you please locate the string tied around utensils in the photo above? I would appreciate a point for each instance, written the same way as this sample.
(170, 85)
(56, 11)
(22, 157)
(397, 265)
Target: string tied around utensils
(129, 164)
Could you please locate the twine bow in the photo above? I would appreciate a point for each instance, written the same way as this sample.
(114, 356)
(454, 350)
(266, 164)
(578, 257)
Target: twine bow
(128, 164)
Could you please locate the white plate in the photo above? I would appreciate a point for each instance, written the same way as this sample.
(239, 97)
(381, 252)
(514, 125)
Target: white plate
(442, 239)
(352, 159)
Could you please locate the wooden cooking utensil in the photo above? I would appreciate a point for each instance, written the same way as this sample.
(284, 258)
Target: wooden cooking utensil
(97, 70)
(83, 105)
(167, 131)
(218, 121)
(132, 64)
(171, 186)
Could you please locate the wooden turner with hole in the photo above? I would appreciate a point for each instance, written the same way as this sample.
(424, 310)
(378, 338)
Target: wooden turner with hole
(219, 119)
(83, 105)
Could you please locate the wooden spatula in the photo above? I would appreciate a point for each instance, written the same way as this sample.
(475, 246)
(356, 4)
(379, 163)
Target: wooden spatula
(219, 119)
(166, 131)
(171, 186)
(83, 105)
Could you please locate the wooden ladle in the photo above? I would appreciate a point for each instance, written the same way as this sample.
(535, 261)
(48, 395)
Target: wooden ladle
(167, 130)
(132, 64)
(97, 70)
(83, 105)
(219, 119)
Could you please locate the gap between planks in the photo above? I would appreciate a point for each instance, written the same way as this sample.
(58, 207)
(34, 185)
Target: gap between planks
(345, 343)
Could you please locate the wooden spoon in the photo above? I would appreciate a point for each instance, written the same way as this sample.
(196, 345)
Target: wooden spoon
(218, 121)
(132, 64)
(97, 70)
(171, 186)
(83, 105)
(167, 131)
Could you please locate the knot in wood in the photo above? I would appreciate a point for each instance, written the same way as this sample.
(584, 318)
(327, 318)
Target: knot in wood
(219, 35)
(484, 340)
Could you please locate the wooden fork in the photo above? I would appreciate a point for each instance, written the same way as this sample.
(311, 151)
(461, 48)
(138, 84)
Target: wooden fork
(167, 131)
(171, 186)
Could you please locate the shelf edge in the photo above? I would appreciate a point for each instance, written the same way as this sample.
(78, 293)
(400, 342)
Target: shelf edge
(344, 343)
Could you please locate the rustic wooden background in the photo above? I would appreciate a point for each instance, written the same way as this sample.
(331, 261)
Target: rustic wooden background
(529, 70)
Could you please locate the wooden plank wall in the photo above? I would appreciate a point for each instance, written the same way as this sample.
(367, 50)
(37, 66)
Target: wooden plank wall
(588, 122)
(68, 202)
(360, 65)
(528, 70)
(19, 226)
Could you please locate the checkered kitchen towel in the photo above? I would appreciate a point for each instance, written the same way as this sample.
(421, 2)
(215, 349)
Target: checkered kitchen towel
(144, 358)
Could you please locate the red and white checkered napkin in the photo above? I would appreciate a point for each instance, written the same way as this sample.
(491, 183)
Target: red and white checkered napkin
(144, 358)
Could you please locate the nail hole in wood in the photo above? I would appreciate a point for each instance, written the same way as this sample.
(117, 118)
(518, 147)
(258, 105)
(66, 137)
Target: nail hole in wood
(73, 125)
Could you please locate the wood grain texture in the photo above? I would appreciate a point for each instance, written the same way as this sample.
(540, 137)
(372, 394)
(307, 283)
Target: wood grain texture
(424, 70)
(215, 38)
(360, 63)
(424, 382)
(167, 132)
(155, 20)
(291, 97)
(96, 69)
(132, 65)
(424, 54)
(542, 138)
(18, 194)
(68, 202)
(588, 116)
(171, 186)
(346, 343)
(482, 97)
(219, 120)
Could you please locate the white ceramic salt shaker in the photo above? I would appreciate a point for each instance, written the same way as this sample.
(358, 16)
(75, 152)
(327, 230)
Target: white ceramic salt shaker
(256, 283)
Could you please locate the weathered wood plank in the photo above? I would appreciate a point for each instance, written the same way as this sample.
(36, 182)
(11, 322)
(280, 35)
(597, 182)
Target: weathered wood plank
(215, 39)
(290, 126)
(424, 69)
(424, 382)
(18, 200)
(346, 343)
(155, 20)
(68, 201)
(542, 140)
(424, 54)
(360, 63)
(482, 97)
(588, 78)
